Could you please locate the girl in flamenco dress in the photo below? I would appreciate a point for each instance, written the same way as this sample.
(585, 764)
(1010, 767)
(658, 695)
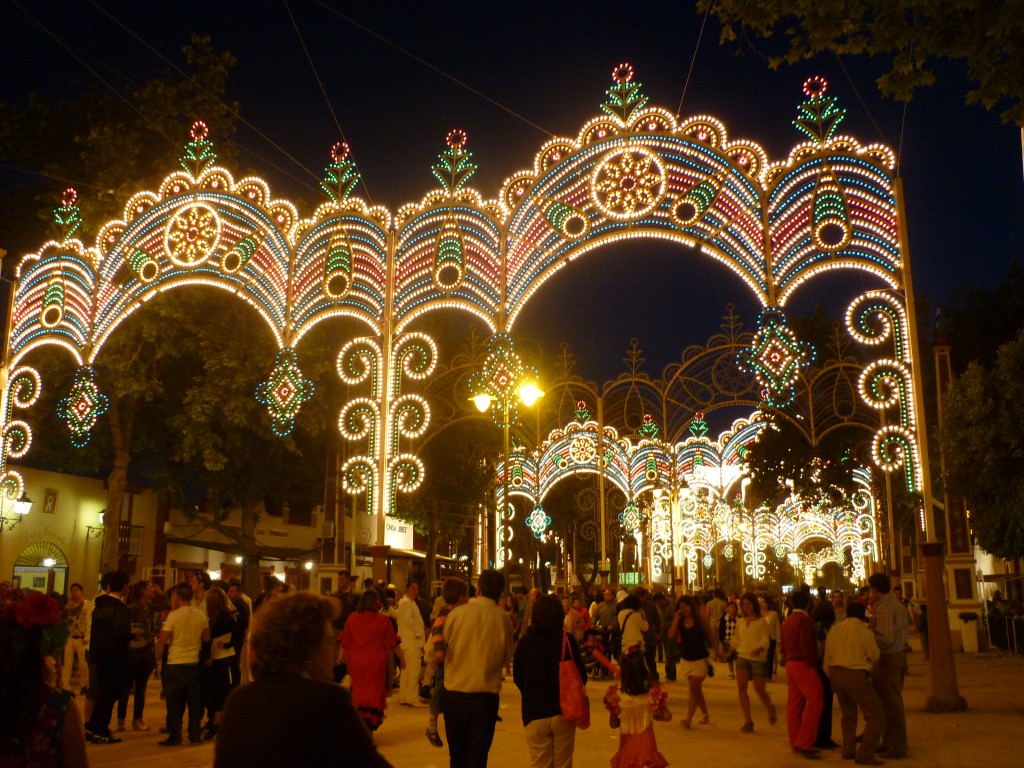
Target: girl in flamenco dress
(633, 709)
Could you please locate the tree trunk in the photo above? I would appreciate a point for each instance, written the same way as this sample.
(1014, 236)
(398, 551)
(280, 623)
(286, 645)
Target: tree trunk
(251, 582)
(117, 483)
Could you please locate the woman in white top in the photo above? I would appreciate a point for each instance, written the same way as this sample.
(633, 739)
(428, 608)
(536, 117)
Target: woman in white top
(751, 643)
(632, 623)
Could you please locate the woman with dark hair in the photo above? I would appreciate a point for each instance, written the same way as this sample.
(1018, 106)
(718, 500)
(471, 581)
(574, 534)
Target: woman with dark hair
(40, 726)
(293, 714)
(140, 654)
(691, 638)
(549, 737)
(751, 641)
(367, 641)
(216, 669)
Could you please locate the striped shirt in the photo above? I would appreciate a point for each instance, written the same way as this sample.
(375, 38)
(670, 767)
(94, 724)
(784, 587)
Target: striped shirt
(890, 623)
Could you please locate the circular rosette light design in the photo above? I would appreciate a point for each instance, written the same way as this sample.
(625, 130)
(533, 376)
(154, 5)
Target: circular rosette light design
(628, 183)
(192, 234)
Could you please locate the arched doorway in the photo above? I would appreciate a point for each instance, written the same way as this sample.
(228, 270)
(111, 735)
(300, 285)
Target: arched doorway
(41, 567)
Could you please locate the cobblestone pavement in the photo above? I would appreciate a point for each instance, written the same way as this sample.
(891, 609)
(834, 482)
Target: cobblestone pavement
(988, 732)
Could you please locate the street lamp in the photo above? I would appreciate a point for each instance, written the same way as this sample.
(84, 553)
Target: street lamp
(18, 509)
(502, 383)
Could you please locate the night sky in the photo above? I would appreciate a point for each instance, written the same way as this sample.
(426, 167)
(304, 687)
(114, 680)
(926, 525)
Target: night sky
(400, 75)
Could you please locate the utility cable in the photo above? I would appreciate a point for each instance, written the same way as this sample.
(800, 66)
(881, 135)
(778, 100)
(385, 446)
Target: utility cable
(693, 61)
(433, 68)
(323, 90)
(234, 112)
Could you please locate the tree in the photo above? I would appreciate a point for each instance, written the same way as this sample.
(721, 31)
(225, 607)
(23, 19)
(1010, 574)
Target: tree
(984, 447)
(912, 35)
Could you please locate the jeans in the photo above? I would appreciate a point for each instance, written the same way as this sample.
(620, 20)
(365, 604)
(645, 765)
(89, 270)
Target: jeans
(182, 687)
(141, 669)
(438, 690)
(469, 720)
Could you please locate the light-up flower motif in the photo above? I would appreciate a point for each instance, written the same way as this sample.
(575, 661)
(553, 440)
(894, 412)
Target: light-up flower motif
(630, 517)
(284, 392)
(538, 521)
(82, 407)
(192, 234)
(628, 183)
(582, 450)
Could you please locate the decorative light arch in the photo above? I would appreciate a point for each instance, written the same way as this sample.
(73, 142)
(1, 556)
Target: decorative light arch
(634, 171)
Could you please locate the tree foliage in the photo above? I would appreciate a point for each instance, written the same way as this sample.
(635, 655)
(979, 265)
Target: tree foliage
(911, 35)
(984, 448)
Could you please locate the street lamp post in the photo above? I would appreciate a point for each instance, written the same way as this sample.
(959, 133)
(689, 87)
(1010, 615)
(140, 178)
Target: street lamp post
(504, 381)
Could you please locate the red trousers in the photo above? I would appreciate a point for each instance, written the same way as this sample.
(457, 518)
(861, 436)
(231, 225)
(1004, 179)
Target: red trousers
(804, 704)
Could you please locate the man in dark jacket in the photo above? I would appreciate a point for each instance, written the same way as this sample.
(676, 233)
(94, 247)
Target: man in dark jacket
(111, 631)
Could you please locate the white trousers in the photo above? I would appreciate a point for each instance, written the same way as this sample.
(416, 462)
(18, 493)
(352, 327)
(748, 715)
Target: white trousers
(409, 680)
(75, 645)
(550, 742)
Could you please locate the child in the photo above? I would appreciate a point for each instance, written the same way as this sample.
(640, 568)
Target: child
(634, 710)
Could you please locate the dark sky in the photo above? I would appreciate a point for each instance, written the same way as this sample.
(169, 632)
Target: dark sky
(399, 75)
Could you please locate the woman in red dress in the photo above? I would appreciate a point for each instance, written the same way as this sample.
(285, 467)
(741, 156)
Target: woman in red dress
(367, 640)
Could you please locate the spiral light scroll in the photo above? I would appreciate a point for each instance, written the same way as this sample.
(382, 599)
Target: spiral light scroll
(361, 360)
(876, 316)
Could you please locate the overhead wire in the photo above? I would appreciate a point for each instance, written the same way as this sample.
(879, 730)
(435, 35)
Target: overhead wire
(693, 61)
(234, 112)
(433, 68)
(320, 83)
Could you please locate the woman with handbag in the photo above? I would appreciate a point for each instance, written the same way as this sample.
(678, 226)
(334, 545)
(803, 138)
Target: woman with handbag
(550, 737)
(691, 639)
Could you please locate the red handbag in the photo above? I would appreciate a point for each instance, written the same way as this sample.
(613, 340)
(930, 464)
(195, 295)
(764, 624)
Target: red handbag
(572, 697)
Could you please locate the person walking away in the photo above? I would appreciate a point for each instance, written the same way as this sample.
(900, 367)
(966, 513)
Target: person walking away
(216, 664)
(752, 659)
(690, 636)
(184, 633)
(726, 632)
(667, 643)
(850, 654)
(76, 613)
(145, 626)
(367, 642)
(455, 592)
(716, 610)
(238, 666)
(292, 714)
(478, 639)
(109, 635)
(771, 615)
(550, 738)
(890, 623)
(652, 635)
(632, 708)
(824, 616)
(411, 636)
(632, 624)
(804, 702)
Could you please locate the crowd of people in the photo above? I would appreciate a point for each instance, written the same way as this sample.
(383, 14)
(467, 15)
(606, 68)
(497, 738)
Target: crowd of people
(355, 650)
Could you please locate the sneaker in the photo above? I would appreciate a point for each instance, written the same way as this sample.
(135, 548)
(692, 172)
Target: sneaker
(104, 739)
(170, 741)
(434, 738)
(120, 724)
(138, 725)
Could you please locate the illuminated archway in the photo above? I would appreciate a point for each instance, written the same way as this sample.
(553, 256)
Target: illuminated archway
(634, 171)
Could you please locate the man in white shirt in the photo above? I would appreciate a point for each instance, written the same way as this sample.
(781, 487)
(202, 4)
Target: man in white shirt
(850, 654)
(185, 630)
(478, 640)
(412, 634)
(77, 613)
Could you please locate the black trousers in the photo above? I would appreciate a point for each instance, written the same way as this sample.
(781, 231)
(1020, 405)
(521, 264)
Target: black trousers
(113, 674)
(469, 720)
(138, 679)
(181, 689)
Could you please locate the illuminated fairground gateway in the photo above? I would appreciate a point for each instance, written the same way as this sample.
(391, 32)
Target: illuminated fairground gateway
(634, 171)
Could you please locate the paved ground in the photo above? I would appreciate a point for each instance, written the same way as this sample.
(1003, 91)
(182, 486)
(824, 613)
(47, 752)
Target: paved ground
(988, 733)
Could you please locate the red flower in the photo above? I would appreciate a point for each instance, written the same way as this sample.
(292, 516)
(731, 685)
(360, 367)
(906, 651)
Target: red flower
(38, 610)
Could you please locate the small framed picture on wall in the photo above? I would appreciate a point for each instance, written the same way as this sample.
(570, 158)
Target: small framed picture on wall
(50, 501)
